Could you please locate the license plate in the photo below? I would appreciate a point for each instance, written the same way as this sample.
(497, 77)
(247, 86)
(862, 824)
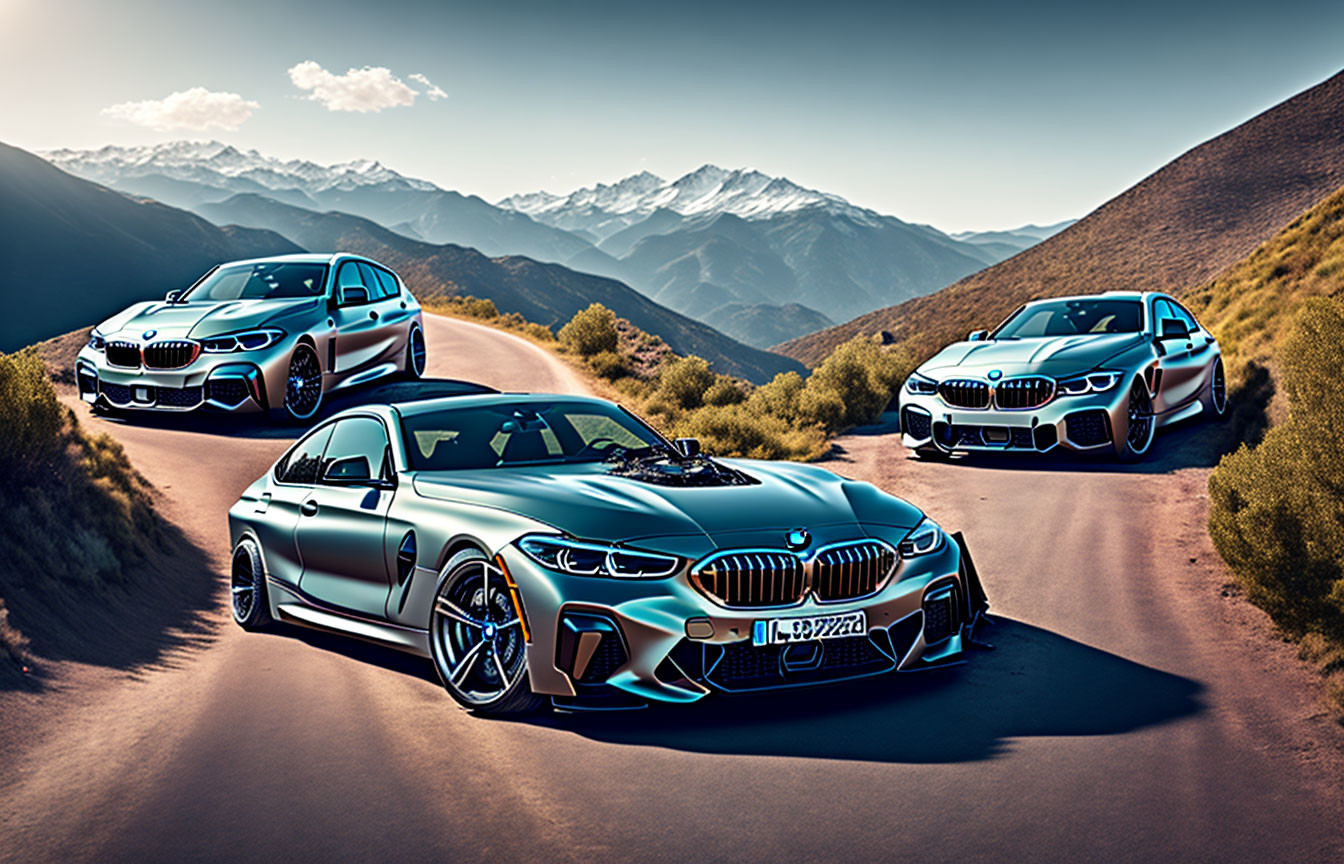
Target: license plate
(782, 631)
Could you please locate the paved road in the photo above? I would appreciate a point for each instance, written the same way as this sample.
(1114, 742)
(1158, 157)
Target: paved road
(1131, 712)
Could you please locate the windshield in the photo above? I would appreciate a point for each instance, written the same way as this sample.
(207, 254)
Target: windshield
(521, 433)
(1071, 317)
(260, 281)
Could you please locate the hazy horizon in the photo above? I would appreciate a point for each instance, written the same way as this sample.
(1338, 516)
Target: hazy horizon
(974, 118)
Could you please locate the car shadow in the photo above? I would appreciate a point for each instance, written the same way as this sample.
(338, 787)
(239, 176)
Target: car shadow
(211, 422)
(1035, 684)
(1194, 443)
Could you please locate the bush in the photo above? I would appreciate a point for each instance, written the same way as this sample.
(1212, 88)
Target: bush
(735, 430)
(1277, 511)
(779, 397)
(591, 331)
(724, 391)
(683, 382)
(32, 419)
(609, 365)
(854, 385)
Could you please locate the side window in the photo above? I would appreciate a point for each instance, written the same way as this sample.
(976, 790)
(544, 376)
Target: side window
(1184, 314)
(301, 465)
(1161, 309)
(357, 451)
(348, 278)
(370, 281)
(388, 281)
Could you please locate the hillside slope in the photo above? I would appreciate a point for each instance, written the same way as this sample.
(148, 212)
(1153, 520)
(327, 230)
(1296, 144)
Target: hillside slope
(1177, 228)
(1250, 306)
(545, 293)
(75, 252)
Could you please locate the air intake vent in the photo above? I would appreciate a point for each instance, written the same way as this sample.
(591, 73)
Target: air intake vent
(1019, 393)
(964, 393)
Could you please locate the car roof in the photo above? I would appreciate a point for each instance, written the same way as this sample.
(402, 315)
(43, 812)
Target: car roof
(1110, 295)
(303, 258)
(472, 400)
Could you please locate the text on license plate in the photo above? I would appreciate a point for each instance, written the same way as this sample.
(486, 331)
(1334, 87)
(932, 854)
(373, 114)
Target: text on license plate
(781, 631)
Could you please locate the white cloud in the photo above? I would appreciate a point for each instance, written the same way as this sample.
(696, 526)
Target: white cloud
(431, 91)
(372, 88)
(196, 109)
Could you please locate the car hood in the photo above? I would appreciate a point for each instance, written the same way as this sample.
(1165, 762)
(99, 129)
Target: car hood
(200, 320)
(584, 501)
(1048, 355)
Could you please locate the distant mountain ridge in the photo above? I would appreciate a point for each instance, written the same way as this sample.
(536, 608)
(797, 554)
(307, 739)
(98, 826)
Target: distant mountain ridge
(76, 252)
(189, 174)
(548, 294)
(1177, 228)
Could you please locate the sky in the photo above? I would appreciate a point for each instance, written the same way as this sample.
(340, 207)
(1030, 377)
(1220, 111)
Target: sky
(967, 116)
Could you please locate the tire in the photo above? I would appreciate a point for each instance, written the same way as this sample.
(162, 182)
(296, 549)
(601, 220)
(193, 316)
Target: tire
(1214, 398)
(303, 385)
(1138, 440)
(416, 354)
(476, 640)
(248, 598)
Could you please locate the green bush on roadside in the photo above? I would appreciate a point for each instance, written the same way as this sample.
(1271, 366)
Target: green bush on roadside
(591, 331)
(1277, 510)
(683, 382)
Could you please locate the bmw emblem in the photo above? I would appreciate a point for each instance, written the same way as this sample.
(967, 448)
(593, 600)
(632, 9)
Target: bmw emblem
(797, 539)
(149, 334)
(995, 374)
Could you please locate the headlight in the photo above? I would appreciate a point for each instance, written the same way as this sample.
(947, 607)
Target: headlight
(1093, 382)
(247, 340)
(920, 385)
(590, 559)
(97, 342)
(925, 539)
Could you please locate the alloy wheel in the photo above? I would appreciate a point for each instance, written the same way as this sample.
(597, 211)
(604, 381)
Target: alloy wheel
(417, 353)
(1140, 434)
(477, 637)
(303, 387)
(1218, 389)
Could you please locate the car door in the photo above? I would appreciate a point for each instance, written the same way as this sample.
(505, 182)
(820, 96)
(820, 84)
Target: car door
(292, 484)
(342, 523)
(1182, 361)
(364, 331)
(393, 310)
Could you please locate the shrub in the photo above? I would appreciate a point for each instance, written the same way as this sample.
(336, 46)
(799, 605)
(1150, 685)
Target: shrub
(858, 376)
(683, 381)
(1277, 511)
(735, 430)
(591, 331)
(779, 397)
(724, 391)
(32, 420)
(609, 365)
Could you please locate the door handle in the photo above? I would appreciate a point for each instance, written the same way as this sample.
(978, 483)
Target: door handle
(308, 508)
(373, 314)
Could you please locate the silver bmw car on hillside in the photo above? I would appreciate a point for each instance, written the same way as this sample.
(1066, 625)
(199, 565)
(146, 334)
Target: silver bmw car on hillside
(1094, 373)
(555, 548)
(266, 334)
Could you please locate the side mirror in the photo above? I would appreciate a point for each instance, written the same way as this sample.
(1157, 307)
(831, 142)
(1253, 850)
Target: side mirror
(687, 447)
(978, 336)
(350, 470)
(1173, 329)
(354, 295)
(171, 296)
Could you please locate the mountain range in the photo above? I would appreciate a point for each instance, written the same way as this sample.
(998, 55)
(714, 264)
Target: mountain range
(1176, 229)
(76, 252)
(708, 244)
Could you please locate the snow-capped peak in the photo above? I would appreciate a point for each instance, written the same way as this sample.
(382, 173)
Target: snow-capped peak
(215, 163)
(708, 189)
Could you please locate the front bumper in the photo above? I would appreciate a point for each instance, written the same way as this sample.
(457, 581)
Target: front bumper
(662, 640)
(228, 382)
(1093, 424)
